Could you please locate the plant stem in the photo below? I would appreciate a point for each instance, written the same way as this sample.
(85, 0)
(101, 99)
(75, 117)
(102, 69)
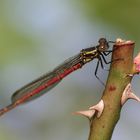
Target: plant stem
(102, 128)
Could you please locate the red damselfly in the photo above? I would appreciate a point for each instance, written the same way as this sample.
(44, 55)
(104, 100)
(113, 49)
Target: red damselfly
(46, 82)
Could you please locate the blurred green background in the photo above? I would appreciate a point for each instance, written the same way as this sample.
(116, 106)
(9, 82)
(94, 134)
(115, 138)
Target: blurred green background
(35, 37)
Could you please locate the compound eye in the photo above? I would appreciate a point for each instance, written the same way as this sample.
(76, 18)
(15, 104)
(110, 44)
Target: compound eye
(102, 41)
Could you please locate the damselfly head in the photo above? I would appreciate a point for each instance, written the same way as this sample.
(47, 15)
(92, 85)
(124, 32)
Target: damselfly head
(103, 45)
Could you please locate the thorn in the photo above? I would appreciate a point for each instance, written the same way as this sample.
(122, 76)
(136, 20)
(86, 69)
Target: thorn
(99, 108)
(128, 94)
(130, 75)
(92, 110)
(87, 113)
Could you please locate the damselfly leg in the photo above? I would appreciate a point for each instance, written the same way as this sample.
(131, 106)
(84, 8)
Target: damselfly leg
(111, 60)
(105, 59)
(100, 61)
(96, 70)
(106, 53)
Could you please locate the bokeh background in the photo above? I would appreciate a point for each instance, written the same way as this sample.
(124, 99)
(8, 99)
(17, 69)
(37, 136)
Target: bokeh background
(35, 37)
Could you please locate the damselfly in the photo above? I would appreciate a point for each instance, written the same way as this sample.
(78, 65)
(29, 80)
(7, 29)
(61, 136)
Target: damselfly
(46, 82)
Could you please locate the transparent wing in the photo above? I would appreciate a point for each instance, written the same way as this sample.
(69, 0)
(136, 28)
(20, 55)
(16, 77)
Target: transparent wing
(27, 89)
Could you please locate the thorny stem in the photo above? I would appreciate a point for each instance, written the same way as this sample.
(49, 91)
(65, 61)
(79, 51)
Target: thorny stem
(102, 128)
